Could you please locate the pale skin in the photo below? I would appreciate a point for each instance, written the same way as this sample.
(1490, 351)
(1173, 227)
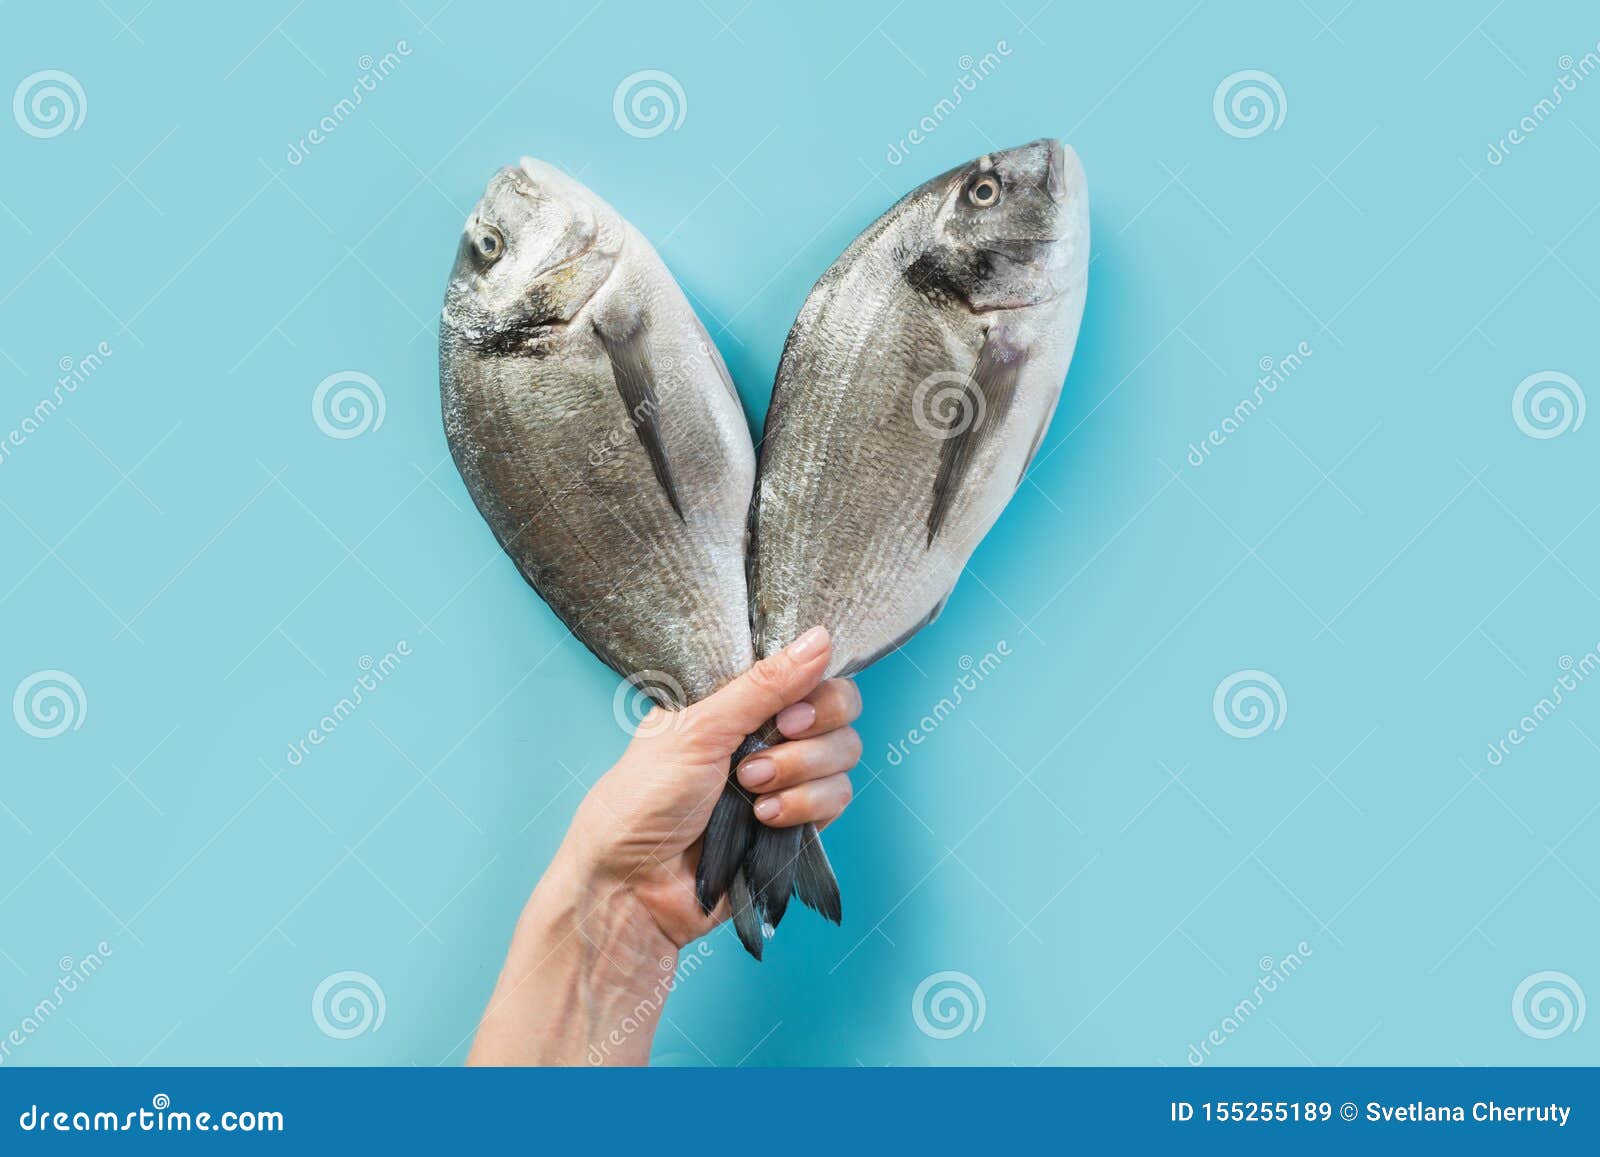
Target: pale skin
(596, 947)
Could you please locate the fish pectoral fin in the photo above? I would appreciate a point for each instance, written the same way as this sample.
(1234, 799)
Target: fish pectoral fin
(987, 396)
(1038, 438)
(630, 366)
(715, 355)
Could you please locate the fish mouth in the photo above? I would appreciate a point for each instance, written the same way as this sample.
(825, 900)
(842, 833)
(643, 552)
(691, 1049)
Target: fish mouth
(1021, 249)
(1056, 173)
(524, 180)
(512, 178)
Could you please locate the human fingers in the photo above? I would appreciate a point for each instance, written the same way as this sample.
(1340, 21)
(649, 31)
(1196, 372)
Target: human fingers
(820, 802)
(747, 702)
(799, 761)
(833, 704)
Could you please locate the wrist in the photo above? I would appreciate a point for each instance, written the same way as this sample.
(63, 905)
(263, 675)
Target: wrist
(620, 878)
(587, 975)
(581, 899)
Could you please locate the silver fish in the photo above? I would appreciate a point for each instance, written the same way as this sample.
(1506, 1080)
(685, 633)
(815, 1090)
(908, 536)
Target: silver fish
(915, 388)
(599, 433)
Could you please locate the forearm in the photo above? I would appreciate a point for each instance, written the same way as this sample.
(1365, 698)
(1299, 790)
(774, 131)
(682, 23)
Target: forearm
(585, 979)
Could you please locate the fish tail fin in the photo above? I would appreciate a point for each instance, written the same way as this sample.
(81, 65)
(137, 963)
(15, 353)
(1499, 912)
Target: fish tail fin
(771, 866)
(814, 881)
(786, 862)
(725, 845)
(758, 868)
(745, 921)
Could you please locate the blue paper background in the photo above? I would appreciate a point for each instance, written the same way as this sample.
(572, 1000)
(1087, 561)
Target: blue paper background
(1080, 839)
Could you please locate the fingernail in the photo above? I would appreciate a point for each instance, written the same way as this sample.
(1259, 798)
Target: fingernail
(795, 718)
(757, 772)
(767, 809)
(809, 644)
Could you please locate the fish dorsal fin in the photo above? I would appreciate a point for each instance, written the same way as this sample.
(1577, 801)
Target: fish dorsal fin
(989, 390)
(630, 365)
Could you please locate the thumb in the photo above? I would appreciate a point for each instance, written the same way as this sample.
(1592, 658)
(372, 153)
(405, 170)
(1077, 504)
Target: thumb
(766, 689)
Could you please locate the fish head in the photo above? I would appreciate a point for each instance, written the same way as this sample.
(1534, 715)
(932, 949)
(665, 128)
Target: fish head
(535, 249)
(1008, 230)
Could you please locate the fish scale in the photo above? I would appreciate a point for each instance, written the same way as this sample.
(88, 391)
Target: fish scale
(599, 434)
(542, 343)
(867, 509)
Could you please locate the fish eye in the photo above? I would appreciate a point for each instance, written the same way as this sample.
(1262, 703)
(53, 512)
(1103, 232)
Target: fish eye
(488, 244)
(984, 191)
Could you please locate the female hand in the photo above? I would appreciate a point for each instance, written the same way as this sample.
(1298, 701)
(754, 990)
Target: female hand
(639, 827)
(598, 940)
